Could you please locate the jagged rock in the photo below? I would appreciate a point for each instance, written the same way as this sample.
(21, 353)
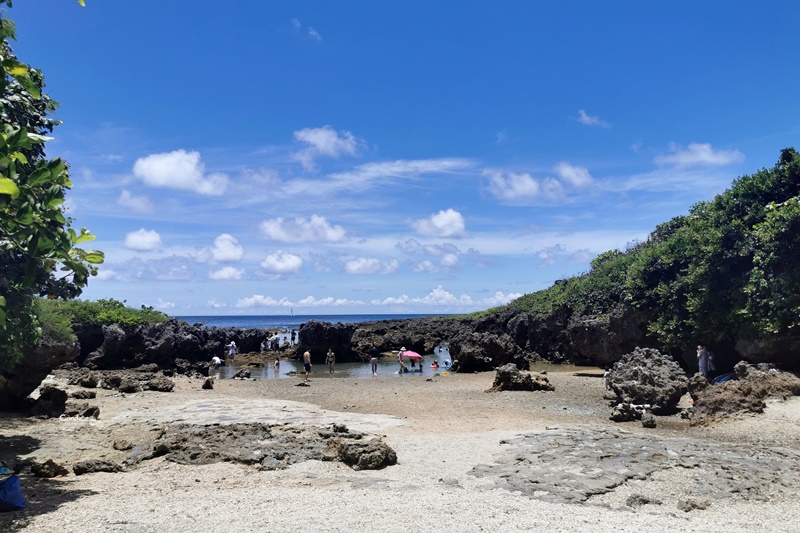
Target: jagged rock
(111, 381)
(48, 469)
(242, 374)
(625, 412)
(23, 378)
(129, 385)
(82, 409)
(160, 384)
(648, 420)
(122, 445)
(51, 403)
(508, 377)
(85, 378)
(648, 377)
(83, 394)
(208, 384)
(747, 393)
(474, 352)
(373, 454)
(637, 500)
(95, 465)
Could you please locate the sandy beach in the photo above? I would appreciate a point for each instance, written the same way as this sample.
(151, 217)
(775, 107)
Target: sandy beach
(467, 460)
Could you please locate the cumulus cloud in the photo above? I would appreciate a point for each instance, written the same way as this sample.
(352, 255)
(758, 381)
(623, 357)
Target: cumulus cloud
(439, 297)
(179, 170)
(226, 248)
(324, 142)
(317, 228)
(698, 155)
(172, 268)
(281, 262)
(259, 300)
(227, 273)
(371, 265)
(163, 305)
(576, 177)
(140, 204)
(143, 240)
(588, 120)
(522, 188)
(445, 223)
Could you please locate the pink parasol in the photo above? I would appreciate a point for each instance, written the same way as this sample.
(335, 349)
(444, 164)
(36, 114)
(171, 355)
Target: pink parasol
(411, 355)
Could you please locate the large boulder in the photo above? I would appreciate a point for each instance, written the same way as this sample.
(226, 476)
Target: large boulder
(646, 376)
(475, 352)
(509, 378)
(23, 378)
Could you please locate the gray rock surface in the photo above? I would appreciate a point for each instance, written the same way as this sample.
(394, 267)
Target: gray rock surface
(95, 465)
(647, 377)
(571, 465)
(508, 377)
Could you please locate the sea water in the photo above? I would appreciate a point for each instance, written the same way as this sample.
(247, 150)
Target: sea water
(291, 369)
(286, 322)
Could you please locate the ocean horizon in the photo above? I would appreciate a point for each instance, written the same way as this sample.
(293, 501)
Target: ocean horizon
(280, 322)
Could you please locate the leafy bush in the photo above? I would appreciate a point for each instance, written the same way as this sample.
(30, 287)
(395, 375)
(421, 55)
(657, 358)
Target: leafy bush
(55, 323)
(102, 312)
(728, 270)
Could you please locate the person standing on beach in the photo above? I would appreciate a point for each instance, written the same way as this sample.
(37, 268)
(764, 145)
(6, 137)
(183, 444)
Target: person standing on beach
(231, 350)
(702, 360)
(373, 359)
(307, 363)
(330, 358)
(400, 360)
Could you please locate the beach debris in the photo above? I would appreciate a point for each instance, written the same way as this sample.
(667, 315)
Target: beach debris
(509, 378)
(48, 469)
(208, 384)
(647, 376)
(95, 465)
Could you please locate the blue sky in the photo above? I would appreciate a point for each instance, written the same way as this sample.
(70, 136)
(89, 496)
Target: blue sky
(250, 157)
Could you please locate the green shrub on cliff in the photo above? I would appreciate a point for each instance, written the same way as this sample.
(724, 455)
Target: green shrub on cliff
(728, 270)
(101, 312)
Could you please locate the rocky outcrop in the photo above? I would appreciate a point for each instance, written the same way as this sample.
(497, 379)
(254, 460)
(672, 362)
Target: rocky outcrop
(18, 382)
(508, 377)
(646, 377)
(754, 384)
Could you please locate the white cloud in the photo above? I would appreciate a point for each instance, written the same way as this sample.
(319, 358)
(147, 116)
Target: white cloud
(106, 274)
(227, 273)
(215, 304)
(281, 262)
(588, 120)
(577, 177)
(298, 27)
(522, 188)
(140, 204)
(324, 142)
(316, 228)
(164, 305)
(449, 223)
(447, 263)
(259, 300)
(143, 240)
(440, 297)
(314, 34)
(226, 248)
(371, 265)
(413, 246)
(699, 154)
(179, 170)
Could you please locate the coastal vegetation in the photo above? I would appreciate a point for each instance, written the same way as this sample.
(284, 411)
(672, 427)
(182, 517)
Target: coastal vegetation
(727, 270)
(39, 250)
